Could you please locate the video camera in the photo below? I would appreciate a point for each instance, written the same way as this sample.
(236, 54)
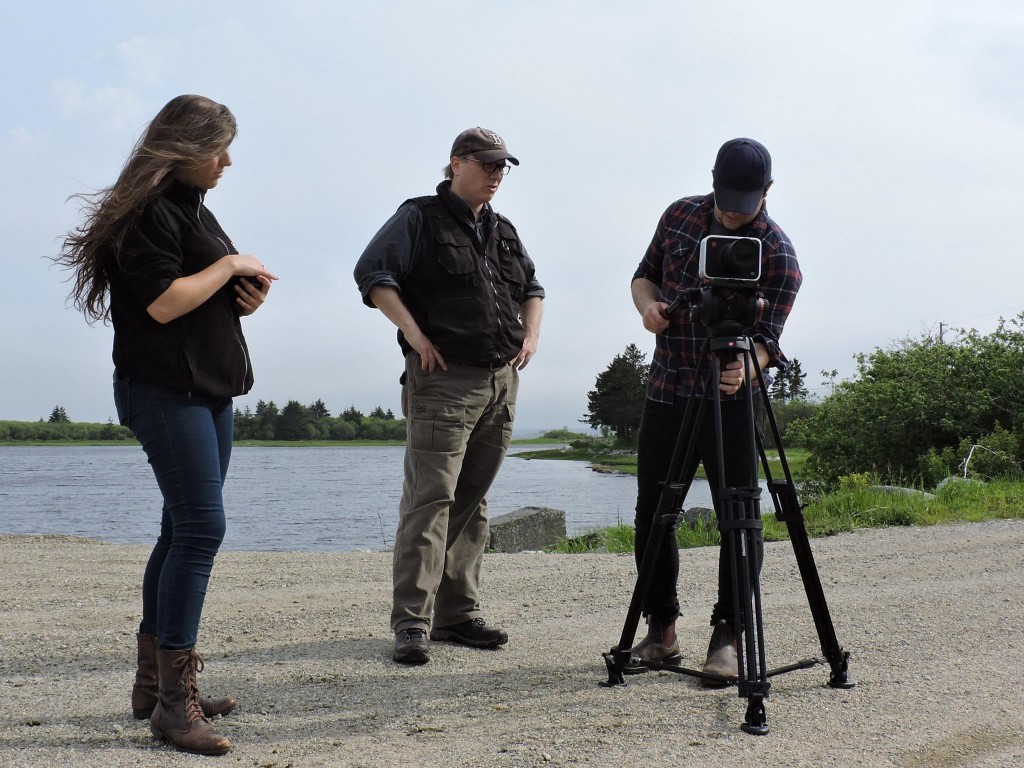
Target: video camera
(734, 262)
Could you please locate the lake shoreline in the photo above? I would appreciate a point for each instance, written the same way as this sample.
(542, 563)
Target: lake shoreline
(327, 499)
(244, 443)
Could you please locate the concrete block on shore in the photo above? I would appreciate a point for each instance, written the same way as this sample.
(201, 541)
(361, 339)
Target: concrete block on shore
(527, 528)
(897, 490)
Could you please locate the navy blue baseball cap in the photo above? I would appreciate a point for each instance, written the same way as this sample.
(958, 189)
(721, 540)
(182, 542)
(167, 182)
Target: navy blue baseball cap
(742, 172)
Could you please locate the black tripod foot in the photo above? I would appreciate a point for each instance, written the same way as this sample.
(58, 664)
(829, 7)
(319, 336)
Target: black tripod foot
(616, 660)
(840, 672)
(841, 682)
(756, 721)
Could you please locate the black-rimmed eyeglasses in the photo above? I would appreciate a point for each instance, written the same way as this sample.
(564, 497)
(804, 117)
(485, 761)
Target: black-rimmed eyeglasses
(502, 167)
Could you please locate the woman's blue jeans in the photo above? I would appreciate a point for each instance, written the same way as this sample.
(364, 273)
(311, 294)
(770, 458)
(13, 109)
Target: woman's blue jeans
(188, 442)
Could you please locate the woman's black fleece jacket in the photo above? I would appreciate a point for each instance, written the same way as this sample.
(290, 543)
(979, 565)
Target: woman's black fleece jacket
(202, 352)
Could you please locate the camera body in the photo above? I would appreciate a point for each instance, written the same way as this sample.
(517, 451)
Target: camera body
(730, 261)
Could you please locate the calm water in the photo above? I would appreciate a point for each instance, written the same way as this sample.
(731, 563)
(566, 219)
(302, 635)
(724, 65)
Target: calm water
(283, 499)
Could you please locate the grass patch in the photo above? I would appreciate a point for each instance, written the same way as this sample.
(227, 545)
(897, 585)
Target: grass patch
(604, 457)
(856, 505)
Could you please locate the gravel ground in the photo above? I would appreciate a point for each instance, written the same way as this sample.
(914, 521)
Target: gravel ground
(932, 618)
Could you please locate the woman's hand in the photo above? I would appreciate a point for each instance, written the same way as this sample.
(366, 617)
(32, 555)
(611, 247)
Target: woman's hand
(254, 286)
(250, 298)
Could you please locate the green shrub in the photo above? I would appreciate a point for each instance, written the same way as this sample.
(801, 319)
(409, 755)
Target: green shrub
(996, 455)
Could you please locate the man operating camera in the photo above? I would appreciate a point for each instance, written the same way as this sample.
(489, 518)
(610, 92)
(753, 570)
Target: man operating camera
(741, 178)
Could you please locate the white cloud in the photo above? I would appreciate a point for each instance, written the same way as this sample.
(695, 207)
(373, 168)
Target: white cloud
(116, 107)
(23, 138)
(143, 60)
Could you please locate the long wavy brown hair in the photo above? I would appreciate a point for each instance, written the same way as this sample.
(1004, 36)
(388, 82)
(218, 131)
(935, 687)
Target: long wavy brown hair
(186, 133)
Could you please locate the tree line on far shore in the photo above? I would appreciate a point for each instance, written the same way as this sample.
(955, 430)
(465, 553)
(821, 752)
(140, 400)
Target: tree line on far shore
(61, 429)
(268, 422)
(314, 422)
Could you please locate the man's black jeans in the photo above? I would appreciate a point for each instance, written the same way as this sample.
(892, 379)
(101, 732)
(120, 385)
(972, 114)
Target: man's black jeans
(659, 431)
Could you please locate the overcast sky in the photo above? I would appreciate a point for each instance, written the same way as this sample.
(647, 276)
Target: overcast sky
(896, 130)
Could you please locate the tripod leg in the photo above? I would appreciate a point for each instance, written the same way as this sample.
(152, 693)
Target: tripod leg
(789, 511)
(617, 658)
(837, 658)
(740, 526)
(667, 515)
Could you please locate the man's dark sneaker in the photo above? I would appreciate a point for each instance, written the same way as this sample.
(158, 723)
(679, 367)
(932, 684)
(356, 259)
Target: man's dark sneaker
(474, 632)
(411, 646)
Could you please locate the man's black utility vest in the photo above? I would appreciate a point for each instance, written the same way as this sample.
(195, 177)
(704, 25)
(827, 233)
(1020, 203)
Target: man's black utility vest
(464, 295)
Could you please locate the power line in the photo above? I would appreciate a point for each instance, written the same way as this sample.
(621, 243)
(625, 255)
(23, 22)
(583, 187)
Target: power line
(1008, 312)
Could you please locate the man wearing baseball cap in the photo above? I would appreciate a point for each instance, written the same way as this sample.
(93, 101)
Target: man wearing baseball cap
(736, 207)
(454, 277)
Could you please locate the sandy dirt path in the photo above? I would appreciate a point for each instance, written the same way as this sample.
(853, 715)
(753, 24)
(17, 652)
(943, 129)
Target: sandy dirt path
(932, 618)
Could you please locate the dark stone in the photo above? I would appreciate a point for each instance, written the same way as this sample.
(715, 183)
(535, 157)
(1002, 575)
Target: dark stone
(693, 514)
(527, 528)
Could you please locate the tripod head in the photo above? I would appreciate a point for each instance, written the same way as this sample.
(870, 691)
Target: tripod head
(724, 311)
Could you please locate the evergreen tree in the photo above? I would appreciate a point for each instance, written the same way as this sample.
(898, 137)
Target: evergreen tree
(353, 415)
(294, 422)
(246, 427)
(59, 415)
(266, 420)
(617, 400)
(788, 384)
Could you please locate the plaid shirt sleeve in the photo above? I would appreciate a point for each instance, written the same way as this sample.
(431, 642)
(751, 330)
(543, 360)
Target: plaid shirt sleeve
(671, 262)
(780, 281)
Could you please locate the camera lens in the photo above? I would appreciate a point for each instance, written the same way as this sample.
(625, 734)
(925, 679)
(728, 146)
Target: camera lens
(739, 256)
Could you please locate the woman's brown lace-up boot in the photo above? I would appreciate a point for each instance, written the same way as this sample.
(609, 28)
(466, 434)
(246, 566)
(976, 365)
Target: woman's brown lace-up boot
(144, 692)
(177, 717)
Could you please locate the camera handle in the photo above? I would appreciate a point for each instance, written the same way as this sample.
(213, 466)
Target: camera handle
(739, 523)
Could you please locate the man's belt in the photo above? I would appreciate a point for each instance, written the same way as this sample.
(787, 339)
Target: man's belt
(491, 365)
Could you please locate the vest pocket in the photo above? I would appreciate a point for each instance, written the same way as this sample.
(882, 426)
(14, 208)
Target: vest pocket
(511, 262)
(457, 276)
(454, 254)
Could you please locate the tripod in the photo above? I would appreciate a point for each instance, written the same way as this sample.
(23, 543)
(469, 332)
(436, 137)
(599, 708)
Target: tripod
(739, 523)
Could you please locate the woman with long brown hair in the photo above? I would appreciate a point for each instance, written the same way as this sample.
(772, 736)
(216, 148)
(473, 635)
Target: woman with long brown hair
(152, 259)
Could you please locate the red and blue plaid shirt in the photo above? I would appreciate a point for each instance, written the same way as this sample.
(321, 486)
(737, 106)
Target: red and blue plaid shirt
(672, 264)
